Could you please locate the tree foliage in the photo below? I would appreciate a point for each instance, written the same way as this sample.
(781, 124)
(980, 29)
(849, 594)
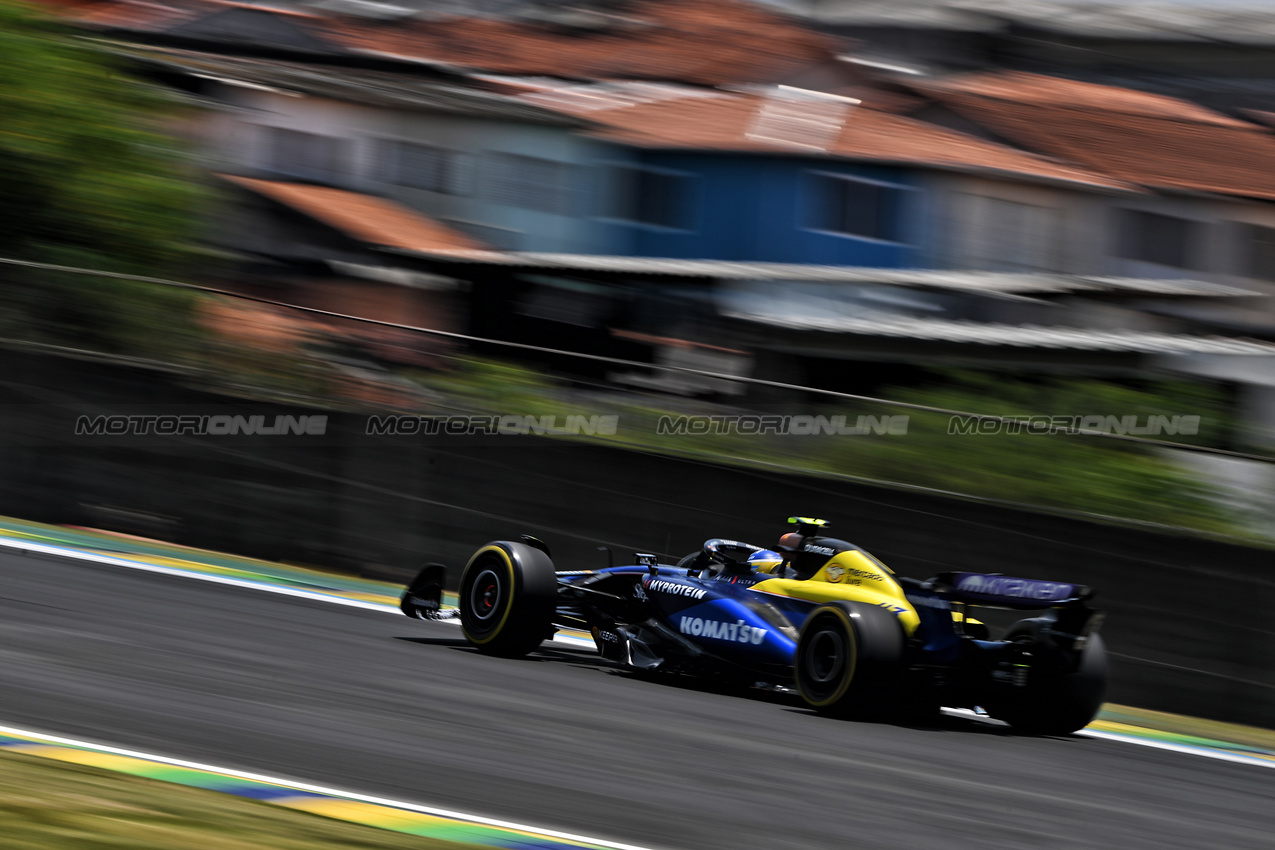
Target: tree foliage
(1032, 469)
(1077, 472)
(87, 178)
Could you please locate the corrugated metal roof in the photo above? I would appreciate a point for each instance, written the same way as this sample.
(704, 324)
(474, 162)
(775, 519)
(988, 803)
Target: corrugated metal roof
(1018, 336)
(992, 283)
(353, 85)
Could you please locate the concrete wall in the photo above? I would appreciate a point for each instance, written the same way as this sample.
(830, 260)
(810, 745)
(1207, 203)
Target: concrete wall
(1188, 626)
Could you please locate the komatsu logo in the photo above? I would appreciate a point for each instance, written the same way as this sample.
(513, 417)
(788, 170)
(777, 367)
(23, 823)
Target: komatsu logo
(738, 631)
(675, 589)
(1015, 588)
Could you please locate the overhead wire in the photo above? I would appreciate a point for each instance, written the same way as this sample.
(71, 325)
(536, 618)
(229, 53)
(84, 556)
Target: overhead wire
(1017, 422)
(55, 397)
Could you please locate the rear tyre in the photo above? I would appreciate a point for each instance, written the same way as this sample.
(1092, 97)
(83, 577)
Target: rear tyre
(508, 595)
(849, 660)
(1057, 702)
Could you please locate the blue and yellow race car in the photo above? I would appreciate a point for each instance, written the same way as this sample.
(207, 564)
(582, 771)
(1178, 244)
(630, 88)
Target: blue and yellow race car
(815, 614)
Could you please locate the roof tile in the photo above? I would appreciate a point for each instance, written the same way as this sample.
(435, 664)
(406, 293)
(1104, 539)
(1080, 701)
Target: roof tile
(1040, 90)
(706, 42)
(729, 121)
(375, 221)
(1153, 141)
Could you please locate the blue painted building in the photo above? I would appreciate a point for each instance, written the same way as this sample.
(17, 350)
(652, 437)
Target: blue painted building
(743, 206)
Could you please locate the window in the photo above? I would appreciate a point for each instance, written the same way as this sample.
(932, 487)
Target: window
(650, 196)
(855, 207)
(307, 156)
(1260, 254)
(1155, 238)
(1010, 236)
(533, 183)
(424, 167)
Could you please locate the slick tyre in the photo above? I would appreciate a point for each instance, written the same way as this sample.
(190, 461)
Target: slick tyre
(849, 660)
(1057, 702)
(508, 594)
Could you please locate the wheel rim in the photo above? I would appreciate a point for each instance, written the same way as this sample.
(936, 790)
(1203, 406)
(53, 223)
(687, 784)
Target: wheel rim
(825, 657)
(485, 595)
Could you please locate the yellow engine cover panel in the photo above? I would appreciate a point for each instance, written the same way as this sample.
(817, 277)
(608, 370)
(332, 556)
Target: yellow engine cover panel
(849, 577)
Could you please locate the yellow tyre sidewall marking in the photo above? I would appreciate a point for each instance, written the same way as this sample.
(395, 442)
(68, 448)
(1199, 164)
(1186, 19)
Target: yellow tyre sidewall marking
(509, 603)
(852, 657)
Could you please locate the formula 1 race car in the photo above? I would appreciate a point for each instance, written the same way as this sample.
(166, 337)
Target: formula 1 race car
(818, 615)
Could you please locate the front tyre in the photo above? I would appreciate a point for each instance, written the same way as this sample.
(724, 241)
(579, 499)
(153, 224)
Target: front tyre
(508, 595)
(849, 659)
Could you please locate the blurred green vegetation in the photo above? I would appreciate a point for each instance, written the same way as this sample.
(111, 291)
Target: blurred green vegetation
(1083, 473)
(1077, 472)
(88, 178)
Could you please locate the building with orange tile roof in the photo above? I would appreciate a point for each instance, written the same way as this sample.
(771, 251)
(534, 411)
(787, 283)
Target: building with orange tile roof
(1208, 179)
(700, 42)
(1151, 140)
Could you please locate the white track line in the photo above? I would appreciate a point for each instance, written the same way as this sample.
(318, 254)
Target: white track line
(1220, 755)
(117, 561)
(267, 587)
(1206, 752)
(76, 554)
(316, 789)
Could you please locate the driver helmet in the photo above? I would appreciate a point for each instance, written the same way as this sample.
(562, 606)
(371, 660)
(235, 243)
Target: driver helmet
(765, 561)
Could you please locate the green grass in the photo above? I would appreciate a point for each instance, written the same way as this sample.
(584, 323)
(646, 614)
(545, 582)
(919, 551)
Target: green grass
(51, 805)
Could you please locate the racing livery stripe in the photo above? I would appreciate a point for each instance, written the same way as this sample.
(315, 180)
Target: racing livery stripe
(329, 802)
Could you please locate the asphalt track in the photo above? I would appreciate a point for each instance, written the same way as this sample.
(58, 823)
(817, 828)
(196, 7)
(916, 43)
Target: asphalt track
(402, 709)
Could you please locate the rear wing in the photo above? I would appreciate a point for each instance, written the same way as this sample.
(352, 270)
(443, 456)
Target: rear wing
(1001, 591)
(1068, 623)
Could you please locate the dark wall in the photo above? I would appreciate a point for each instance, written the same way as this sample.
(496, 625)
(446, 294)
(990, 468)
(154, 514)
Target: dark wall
(1187, 624)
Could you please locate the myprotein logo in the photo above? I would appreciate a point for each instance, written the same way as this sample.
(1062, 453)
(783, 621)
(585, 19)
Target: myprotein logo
(1014, 588)
(737, 632)
(675, 589)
